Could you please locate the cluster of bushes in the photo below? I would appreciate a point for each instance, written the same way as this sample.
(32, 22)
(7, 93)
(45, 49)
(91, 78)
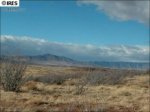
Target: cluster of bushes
(109, 78)
(53, 78)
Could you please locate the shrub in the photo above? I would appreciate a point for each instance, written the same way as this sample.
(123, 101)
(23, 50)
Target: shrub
(80, 87)
(12, 73)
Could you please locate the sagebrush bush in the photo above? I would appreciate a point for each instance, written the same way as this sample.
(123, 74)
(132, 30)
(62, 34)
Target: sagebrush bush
(80, 87)
(12, 73)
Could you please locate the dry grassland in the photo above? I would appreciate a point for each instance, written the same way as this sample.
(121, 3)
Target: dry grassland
(78, 90)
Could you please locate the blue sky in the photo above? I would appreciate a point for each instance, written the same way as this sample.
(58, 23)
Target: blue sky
(81, 30)
(70, 22)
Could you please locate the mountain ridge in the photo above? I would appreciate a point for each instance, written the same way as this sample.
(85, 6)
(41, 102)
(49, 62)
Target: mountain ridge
(50, 59)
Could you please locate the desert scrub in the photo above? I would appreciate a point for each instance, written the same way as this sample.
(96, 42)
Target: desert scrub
(109, 78)
(53, 78)
(12, 73)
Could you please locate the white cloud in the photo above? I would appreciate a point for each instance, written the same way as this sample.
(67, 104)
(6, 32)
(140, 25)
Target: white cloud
(32, 46)
(123, 10)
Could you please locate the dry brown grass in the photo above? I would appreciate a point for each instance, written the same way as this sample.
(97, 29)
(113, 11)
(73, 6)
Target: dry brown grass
(130, 96)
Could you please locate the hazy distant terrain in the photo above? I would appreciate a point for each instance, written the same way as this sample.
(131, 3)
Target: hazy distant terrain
(49, 59)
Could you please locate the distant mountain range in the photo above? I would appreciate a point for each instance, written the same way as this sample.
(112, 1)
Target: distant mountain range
(49, 59)
(53, 60)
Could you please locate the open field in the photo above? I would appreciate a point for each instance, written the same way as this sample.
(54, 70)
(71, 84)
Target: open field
(75, 89)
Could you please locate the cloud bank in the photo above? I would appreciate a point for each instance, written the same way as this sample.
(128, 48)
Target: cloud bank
(123, 10)
(32, 46)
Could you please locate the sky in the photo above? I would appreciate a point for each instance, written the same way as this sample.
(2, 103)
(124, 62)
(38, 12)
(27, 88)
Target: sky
(82, 30)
